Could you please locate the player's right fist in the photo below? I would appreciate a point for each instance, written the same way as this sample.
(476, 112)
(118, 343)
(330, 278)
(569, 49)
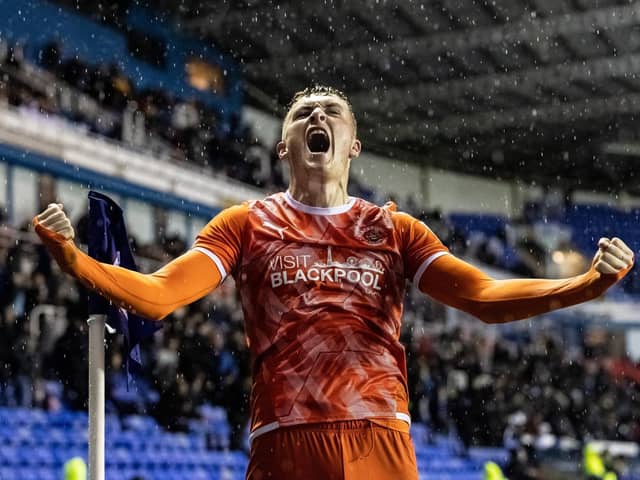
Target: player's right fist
(55, 220)
(55, 230)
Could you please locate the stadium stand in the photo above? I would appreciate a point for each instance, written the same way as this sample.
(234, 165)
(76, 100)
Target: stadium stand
(199, 359)
(474, 397)
(36, 444)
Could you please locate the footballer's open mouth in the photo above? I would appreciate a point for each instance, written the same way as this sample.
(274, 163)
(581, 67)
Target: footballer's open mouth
(318, 140)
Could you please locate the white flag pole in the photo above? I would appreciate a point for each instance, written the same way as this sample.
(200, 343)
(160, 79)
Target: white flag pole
(96, 396)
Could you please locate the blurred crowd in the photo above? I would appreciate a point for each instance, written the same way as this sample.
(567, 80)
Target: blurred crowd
(488, 390)
(530, 388)
(153, 120)
(199, 357)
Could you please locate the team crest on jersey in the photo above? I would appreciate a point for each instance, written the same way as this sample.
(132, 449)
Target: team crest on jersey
(374, 235)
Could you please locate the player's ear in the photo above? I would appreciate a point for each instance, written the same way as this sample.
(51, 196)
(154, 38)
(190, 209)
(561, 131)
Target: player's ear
(356, 148)
(281, 149)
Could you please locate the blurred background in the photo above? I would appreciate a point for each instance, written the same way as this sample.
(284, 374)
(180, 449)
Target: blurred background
(508, 126)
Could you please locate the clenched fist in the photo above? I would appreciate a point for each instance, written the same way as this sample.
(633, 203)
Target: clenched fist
(613, 256)
(55, 220)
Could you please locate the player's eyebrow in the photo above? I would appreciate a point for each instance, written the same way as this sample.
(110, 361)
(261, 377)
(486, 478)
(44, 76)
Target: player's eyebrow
(311, 105)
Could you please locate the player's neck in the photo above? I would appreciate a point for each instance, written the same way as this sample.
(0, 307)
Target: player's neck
(315, 194)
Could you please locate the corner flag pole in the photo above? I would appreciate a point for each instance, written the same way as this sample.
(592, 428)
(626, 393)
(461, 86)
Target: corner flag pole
(96, 396)
(108, 242)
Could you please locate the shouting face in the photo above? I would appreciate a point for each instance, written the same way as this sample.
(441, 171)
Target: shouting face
(318, 137)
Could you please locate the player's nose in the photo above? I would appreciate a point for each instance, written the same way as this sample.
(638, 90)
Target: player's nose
(318, 115)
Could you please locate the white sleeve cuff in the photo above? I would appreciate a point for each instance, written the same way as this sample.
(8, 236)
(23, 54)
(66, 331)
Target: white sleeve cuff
(215, 259)
(423, 268)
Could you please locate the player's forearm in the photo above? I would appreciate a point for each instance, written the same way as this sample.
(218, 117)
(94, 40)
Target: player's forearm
(500, 301)
(178, 283)
(462, 286)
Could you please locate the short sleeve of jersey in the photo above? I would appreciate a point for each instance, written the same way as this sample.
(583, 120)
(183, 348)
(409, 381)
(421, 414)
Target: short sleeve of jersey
(419, 245)
(221, 238)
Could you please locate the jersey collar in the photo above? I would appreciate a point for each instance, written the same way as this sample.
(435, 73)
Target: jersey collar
(318, 210)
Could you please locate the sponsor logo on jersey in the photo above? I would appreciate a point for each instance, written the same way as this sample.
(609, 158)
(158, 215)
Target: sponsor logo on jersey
(291, 269)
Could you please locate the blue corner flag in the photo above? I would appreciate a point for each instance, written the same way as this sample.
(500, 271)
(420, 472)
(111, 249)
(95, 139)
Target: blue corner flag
(109, 243)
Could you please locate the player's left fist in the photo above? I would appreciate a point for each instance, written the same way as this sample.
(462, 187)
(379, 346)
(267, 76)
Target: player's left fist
(613, 256)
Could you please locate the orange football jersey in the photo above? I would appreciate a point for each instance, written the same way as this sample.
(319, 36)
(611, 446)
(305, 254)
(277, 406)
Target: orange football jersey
(322, 292)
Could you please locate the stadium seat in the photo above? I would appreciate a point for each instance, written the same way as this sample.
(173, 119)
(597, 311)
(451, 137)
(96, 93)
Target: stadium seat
(484, 223)
(38, 446)
(140, 423)
(489, 454)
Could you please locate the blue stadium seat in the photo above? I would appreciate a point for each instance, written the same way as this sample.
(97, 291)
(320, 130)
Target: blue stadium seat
(190, 441)
(120, 457)
(38, 452)
(111, 423)
(8, 455)
(484, 223)
(489, 454)
(419, 434)
(140, 423)
(57, 438)
(48, 473)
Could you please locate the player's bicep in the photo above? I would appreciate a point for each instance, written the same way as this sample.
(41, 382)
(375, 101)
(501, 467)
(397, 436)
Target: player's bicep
(215, 261)
(221, 239)
(420, 246)
(454, 282)
(187, 278)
